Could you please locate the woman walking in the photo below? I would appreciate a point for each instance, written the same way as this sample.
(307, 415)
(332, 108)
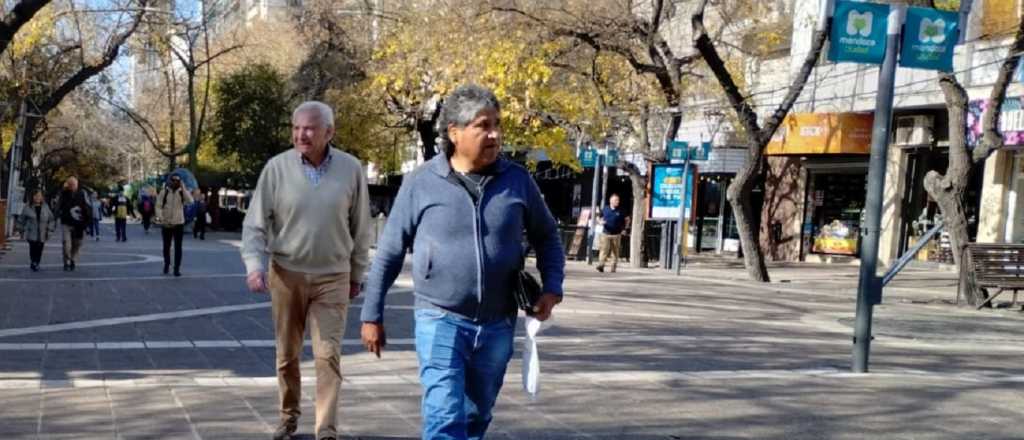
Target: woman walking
(36, 223)
(170, 215)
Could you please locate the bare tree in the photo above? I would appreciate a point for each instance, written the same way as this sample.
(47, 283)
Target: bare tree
(948, 189)
(72, 67)
(637, 36)
(184, 64)
(757, 135)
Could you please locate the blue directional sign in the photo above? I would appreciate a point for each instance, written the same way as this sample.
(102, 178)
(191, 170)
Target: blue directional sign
(929, 37)
(858, 32)
(588, 157)
(702, 152)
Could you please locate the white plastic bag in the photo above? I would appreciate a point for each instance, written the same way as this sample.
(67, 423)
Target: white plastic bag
(531, 358)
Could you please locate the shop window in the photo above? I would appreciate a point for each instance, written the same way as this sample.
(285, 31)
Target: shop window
(999, 17)
(836, 205)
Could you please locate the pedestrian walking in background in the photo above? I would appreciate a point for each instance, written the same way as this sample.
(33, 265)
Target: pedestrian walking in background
(74, 212)
(463, 214)
(36, 223)
(147, 209)
(613, 222)
(96, 215)
(170, 215)
(122, 207)
(310, 216)
(199, 227)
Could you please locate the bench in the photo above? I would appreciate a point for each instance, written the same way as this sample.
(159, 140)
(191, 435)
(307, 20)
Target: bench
(996, 266)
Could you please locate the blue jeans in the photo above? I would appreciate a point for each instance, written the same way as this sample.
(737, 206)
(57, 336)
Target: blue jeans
(462, 367)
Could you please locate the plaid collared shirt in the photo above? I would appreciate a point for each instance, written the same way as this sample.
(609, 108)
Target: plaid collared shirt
(313, 173)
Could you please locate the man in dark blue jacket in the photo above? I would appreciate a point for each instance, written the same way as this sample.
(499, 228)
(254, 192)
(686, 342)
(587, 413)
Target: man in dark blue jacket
(463, 214)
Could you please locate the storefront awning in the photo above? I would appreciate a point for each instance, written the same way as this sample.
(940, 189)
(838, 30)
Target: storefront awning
(823, 133)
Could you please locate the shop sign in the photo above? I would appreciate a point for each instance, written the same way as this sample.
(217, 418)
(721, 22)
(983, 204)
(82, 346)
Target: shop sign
(1011, 121)
(666, 189)
(823, 133)
(858, 32)
(929, 39)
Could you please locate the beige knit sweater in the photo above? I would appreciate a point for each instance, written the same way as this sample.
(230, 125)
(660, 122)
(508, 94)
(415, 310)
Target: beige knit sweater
(311, 229)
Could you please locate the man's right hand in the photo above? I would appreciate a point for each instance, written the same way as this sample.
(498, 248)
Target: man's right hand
(256, 280)
(374, 338)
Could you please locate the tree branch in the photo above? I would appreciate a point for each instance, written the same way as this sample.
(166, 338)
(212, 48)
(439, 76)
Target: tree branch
(16, 18)
(991, 139)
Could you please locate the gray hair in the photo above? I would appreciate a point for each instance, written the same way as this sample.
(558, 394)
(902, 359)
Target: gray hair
(460, 108)
(323, 111)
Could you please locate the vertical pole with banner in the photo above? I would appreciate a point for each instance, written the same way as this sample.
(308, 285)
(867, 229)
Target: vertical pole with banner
(14, 177)
(683, 223)
(869, 286)
(592, 222)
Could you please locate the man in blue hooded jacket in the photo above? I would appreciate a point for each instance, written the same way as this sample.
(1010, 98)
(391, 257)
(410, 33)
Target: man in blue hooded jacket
(464, 214)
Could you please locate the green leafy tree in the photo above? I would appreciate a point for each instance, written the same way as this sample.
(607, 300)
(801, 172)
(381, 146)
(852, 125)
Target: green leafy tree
(251, 121)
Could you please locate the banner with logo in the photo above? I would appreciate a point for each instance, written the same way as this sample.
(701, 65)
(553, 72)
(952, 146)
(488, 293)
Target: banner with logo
(858, 32)
(588, 157)
(677, 151)
(929, 38)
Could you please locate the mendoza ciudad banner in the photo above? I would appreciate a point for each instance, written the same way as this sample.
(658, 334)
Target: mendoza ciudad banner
(858, 32)
(929, 39)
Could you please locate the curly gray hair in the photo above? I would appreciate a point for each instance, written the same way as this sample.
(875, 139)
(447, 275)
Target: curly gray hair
(460, 108)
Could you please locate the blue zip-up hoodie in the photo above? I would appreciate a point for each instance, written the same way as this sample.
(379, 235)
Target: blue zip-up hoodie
(466, 254)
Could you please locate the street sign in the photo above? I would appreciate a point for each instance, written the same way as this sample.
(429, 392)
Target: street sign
(588, 157)
(929, 38)
(702, 152)
(611, 157)
(677, 150)
(858, 32)
(667, 189)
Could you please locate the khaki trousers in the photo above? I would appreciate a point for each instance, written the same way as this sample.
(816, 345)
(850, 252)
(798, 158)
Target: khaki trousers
(318, 302)
(610, 245)
(71, 245)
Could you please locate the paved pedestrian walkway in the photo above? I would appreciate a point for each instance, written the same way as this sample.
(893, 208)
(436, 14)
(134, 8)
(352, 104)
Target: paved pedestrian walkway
(118, 350)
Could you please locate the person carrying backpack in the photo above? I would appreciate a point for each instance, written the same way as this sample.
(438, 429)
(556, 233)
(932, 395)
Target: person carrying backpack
(122, 209)
(170, 215)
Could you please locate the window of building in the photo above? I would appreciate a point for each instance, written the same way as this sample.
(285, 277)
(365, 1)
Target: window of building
(999, 17)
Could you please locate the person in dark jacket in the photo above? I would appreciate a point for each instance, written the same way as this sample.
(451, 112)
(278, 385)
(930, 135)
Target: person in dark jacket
(199, 227)
(36, 223)
(464, 214)
(147, 207)
(75, 214)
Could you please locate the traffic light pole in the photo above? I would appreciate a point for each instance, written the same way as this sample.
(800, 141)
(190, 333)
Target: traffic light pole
(869, 289)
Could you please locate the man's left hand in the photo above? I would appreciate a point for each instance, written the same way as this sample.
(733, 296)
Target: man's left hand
(354, 290)
(546, 303)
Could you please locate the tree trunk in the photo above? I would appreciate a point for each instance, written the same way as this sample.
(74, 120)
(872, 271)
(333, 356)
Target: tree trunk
(950, 200)
(428, 138)
(948, 190)
(747, 225)
(193, 158)
(637, 258)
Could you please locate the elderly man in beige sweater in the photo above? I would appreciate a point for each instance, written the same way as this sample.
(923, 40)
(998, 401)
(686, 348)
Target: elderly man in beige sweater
(309, 217)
